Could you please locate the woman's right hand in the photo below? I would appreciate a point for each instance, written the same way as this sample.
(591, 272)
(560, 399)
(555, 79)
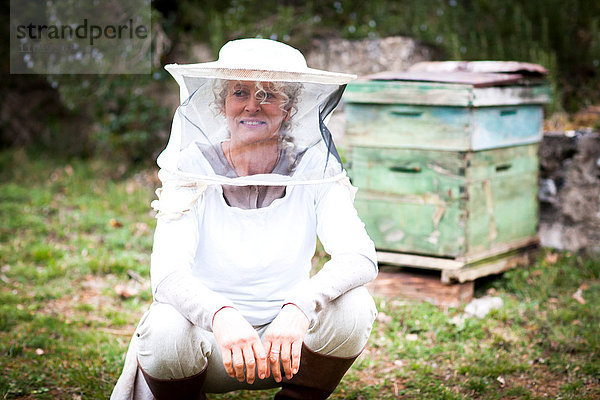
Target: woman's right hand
(240, 345)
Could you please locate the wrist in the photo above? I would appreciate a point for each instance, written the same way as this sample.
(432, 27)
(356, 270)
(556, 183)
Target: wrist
(292, 307)
(218, 311)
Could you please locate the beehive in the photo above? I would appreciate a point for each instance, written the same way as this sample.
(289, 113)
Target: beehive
(446, 163)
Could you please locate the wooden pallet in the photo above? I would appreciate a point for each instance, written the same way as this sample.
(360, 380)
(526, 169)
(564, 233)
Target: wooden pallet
(442, 281)
(468, 268)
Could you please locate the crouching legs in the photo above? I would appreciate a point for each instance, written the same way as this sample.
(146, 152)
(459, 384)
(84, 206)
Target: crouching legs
(331, 345)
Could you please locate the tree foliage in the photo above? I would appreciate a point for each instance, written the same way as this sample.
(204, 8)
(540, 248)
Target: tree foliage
(127, 117)
(563, 36)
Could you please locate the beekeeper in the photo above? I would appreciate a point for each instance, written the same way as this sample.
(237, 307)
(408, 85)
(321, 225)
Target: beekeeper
(250, 179)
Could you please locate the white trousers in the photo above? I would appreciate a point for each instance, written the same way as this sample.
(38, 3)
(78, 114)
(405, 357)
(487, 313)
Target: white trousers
(170, 347)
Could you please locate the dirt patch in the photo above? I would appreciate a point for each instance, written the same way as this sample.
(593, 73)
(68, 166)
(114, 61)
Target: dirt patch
(94, 297)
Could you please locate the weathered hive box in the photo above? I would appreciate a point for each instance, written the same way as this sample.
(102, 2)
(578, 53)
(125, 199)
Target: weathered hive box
(444, 203)
(448, 167)
(459, 111)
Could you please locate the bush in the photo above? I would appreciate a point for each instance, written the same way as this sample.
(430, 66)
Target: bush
(129, 121)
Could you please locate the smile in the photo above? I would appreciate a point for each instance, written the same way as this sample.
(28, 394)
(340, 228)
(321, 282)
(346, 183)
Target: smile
(253, 123)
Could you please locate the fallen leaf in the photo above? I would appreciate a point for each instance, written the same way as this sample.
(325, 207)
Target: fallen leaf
(126, 291)
(141, 228)
(551, 258)
(578, 296)
(384, 318)
(114, 223)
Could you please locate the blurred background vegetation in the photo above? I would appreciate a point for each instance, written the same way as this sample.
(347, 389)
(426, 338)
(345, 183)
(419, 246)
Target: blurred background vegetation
(124, 116)
(74, 231)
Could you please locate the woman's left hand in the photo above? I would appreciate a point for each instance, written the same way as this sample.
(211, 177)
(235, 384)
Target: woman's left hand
(283, 340)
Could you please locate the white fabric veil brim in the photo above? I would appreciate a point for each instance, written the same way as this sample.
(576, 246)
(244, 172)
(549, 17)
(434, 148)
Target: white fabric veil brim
(216, 70)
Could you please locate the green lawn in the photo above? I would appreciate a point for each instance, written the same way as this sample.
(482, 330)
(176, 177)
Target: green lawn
(75, 240)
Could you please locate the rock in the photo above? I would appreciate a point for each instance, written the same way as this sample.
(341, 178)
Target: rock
(482, 306)
(547, 191)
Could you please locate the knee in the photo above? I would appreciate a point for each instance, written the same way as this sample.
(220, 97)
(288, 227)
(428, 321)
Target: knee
(344, 326)
(356, 313)
(166, 348)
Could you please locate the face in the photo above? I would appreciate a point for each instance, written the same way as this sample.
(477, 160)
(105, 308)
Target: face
(253, 115)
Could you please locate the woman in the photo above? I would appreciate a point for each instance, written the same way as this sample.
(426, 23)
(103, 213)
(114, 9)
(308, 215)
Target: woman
(246, 191)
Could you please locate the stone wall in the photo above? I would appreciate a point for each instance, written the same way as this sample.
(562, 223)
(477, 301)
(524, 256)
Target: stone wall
(367, 56)
(570, 191)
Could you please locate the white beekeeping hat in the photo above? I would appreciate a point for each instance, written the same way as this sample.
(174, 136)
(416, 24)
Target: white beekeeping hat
(203, 147)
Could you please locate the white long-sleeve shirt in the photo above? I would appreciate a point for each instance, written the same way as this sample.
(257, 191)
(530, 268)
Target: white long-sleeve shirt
(257, 260)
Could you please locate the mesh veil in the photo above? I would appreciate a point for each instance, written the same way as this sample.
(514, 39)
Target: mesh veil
(197, 150)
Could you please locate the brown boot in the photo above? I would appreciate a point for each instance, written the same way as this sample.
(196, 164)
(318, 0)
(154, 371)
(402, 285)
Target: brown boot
(177, 389)
(317, 377)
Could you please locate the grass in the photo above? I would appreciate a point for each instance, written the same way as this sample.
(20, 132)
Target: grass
(75, 237)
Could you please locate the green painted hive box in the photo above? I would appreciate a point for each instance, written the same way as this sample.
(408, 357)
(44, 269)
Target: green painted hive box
(446, 169)
(447, 203)
(461, 111)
